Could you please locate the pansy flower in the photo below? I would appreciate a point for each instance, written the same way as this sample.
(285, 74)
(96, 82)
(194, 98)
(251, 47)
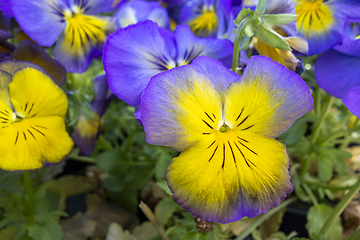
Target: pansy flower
(134, 54)
(141, 10)
(206, 18)
(321, 22)
(88, 127)
(230, 165)
(32, 110)
(78, 32)
(337, 70)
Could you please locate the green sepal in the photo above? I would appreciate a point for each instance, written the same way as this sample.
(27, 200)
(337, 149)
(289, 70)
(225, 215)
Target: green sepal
(251, 27)
(271, 38)
(244, 13)
(261, 6)
(277, 19)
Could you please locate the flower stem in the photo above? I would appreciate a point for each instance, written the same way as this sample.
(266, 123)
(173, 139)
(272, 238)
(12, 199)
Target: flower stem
(340, 208)
(239, 33)
(263, 217)
(31, 198)
(327, 105)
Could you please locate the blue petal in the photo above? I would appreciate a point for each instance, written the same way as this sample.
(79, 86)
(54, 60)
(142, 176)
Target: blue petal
(132, 56)
(189, 47)
(103, 95)
(93, 6)
(336, 72)
(42, 20)
(352, 101)
(221, 76)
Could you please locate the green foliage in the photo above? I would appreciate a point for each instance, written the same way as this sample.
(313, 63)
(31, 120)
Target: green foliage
(316, 217)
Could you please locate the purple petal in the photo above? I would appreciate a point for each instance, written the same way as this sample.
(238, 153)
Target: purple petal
(132, 56)
(93, 7)
(336, 72)
(352, 101)
(189, 47)
(103, 95)
(41, 20)
(221, 76)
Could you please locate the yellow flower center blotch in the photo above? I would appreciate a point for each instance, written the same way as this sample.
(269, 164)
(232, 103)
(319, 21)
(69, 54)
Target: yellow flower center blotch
(206, 23)
(314, 17)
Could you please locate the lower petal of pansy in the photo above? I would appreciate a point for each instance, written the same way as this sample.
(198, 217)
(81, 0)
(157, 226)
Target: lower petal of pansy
(82, 40)
(230, 175)
(31, 143)
(51, 136)
(267, 99)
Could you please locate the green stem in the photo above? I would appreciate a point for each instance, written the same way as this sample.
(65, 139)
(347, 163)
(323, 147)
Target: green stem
(318, 101)
(263, 217)
(104, 143)
(239, 33)
(315, 133)
(81, 159)
(31, 198)
(310, 193)
(355, 235)
(340, 208)
(342, 122)
(333, 188)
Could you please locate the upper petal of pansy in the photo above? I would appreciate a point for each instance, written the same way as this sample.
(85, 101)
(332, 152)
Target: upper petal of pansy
(33, 93)
(189, 47)
(29, 51)
(336, 72)
(215, 71)
(320, 23)
(103, 95)
(82, 40)
(42, 20)
(180, 107)
(141, 10)
(349, 8)
(132, 56)
(34, 142)
(352, 101)
(350, 43)
(92, 6)
(225, 177)
(267, 99)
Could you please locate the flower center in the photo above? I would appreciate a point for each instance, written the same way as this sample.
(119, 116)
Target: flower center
(206, 23)
(313, 16)
(224, 128)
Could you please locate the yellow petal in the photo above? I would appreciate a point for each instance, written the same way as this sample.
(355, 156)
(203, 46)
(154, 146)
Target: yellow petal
(33, 93)
(228, 176)
(32, 143)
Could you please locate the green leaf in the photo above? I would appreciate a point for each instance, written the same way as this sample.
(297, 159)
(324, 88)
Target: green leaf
(165, 209)
(161, 165)
(8, 233)
(114, 183)
(261, 6)
(277, 19)
(316, 217)
(163, 185)
(38, 233)
(191, 236)
(325, 167)
(271, 38)
(112, 161)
